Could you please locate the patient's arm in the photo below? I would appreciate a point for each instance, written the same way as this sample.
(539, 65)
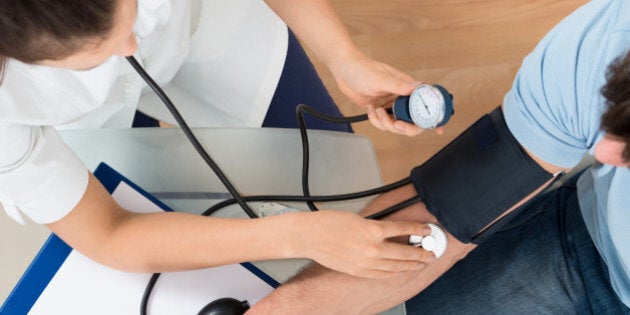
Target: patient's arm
(318, 290)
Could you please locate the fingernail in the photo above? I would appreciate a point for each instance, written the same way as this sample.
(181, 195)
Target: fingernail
(370, 109)
(399, 126)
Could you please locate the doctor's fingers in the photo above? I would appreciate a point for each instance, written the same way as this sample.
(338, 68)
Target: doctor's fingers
(403, 257)
(390, 229)
(383, 121)
(384, 100)
(407, 129)
(385, 268)
(374, 120)
(379, 99)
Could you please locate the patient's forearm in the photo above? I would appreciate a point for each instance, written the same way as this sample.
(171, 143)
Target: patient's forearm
(321, 291)
(336, 293)
(318, 290)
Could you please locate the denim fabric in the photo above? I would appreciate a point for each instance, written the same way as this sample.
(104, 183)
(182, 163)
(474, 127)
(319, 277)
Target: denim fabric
(542, 262)
(300, 84)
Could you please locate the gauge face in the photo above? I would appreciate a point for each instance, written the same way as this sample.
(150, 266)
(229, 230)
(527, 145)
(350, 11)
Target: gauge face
(426, 106)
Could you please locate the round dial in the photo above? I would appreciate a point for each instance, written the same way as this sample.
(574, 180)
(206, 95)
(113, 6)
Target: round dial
(426, 106)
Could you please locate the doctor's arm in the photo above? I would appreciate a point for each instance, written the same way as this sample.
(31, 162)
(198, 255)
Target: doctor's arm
(167, 241)
(368, 83)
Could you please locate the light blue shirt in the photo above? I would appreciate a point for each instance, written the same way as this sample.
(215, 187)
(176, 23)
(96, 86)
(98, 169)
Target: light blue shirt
(554, 110)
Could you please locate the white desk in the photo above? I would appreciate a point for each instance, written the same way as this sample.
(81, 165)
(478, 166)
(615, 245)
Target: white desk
(257, 161)
(164, 163)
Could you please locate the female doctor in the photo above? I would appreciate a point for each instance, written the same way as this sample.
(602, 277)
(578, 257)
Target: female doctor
(62, 67)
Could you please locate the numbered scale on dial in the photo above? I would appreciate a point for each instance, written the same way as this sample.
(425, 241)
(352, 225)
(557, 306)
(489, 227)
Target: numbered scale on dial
(428, 106)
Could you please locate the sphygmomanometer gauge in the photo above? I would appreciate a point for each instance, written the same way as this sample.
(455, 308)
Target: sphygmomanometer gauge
(428, 106)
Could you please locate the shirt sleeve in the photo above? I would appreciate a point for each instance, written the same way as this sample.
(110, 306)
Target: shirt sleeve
(554, 105)
(39, 175)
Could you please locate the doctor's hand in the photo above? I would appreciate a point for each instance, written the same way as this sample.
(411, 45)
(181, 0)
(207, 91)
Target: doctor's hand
(374, 85)
(384, 121)
(351, 244)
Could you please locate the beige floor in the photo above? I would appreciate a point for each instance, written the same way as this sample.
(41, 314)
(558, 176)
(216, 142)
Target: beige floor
(472, 47)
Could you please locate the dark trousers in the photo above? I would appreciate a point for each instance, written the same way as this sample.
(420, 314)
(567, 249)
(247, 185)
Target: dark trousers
(543, 262)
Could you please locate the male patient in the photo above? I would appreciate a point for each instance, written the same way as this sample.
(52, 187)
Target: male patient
(566, 251)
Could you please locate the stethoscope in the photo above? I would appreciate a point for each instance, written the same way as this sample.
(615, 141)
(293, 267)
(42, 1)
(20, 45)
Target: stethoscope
(428, 106)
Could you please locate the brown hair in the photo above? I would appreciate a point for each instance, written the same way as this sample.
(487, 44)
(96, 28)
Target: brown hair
(616, 118)
(35, 30)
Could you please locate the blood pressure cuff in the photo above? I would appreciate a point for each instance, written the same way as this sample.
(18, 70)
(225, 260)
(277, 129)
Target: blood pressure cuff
(477, 177)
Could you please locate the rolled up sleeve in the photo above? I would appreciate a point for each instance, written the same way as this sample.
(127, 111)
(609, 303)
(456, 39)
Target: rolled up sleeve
(39, 175)
(555, 94)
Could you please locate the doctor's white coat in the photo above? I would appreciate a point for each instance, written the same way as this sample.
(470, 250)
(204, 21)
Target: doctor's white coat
(219, 61)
